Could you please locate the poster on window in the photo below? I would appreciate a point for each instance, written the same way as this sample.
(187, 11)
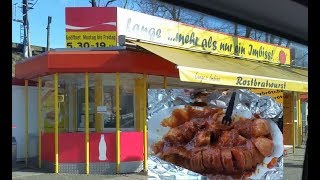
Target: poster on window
(48, 110)
(189, 135)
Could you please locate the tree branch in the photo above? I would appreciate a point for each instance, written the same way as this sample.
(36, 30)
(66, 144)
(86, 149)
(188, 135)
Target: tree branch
(125, 4)
(248, 32)
(93, 3)
(267, 37)
(280, 42)
(288, 43)
(110, 1)
(235, 29)
(272, 37)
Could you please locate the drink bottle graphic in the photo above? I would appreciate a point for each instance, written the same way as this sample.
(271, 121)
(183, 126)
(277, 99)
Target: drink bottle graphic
(102, 149)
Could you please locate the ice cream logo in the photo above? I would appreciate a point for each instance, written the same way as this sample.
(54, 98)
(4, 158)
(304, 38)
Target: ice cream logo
(282, 57)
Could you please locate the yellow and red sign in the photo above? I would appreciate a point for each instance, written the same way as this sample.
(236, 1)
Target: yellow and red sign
(240, 80)
(170, 33)
(100, 26)
(91, 27)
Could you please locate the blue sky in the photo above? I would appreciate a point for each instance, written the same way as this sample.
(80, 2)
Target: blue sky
(56, 8)
(38, 18)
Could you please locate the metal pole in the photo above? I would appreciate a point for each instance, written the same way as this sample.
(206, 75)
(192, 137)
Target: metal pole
(25, 28)
(87, 120)
(29, 46)
(48, 32)
(165, 82)
(74, 107)
(28, 32)
(299, 126)
(294, 123)
(145, 132)
(26, 100)
(56, 125)
(117, 122)
(39, 118)
(98, 102)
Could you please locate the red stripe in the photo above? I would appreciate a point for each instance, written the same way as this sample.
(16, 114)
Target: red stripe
(20, 82)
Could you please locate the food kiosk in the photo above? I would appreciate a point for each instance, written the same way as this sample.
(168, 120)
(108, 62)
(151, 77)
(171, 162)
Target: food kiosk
(93, 94)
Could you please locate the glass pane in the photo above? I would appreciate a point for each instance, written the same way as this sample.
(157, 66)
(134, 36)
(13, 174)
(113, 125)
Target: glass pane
(48, 114)
(63, 104)
(126, 101)
(127, 107)
(81, 107)
(108, 100)
(109, 118)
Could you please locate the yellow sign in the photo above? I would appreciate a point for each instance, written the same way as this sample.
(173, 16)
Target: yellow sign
(276, 94)
(223, 44)
(241, 80)
(166, 32)
(90, 39)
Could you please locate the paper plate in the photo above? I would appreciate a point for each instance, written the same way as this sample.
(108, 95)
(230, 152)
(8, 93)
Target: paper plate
(156, 132)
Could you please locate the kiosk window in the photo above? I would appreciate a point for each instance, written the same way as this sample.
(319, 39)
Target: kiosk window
(126, 107)
(81, 108)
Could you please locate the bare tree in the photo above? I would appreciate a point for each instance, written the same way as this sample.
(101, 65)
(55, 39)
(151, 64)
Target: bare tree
(248, 32)
(125, 4)
(280, 41)
(168, 11)
(235, 29)
(179, 14)
(288, 43)
(272, 38)
(267, 37)
(93, 3)
(235, 38)
(109, 2)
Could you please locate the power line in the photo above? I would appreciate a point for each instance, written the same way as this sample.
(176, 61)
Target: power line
(34, 4)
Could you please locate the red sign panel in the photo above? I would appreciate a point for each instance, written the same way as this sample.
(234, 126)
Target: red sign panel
(91, 19)
(131, 146)
(72, 147)
(91, 27)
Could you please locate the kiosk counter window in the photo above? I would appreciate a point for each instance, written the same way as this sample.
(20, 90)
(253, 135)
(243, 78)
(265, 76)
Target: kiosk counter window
(126, 107)
(102, 103)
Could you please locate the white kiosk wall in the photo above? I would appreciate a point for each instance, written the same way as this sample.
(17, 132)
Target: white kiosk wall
(18, 120)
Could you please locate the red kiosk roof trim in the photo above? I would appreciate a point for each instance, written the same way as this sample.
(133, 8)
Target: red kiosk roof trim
(20, 82)
(123, 61)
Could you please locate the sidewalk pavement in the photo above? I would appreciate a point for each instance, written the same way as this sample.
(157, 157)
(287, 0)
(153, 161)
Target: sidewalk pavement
(293, 167)
(293, 164)
(22, 173)
(31, 175)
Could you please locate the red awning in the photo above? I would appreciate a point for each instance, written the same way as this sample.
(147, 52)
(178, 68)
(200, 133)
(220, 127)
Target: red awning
(122, 61)
(20, 82)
